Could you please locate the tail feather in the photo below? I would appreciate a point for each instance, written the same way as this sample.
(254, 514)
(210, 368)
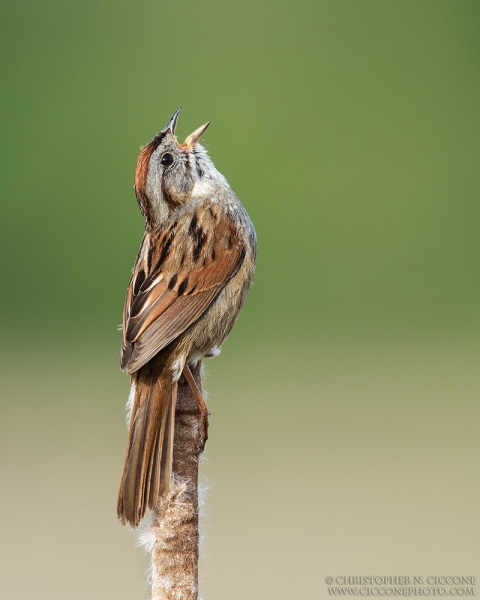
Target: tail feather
(166, 456)
(148, 462)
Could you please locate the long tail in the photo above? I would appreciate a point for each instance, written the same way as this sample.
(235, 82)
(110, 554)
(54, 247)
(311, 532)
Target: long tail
(148, 461)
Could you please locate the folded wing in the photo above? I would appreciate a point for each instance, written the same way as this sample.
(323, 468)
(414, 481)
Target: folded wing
(176, 279)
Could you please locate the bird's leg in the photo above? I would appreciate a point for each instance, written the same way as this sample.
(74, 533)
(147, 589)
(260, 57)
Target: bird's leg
(197, 394)
(202, 406)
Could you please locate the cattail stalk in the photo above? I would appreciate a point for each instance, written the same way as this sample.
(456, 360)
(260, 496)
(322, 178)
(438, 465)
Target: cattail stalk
(172, 535)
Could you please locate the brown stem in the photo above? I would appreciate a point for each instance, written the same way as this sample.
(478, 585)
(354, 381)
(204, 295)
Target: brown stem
(174, 526)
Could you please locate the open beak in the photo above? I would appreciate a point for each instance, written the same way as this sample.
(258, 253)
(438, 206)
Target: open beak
(172, 124)
(194, 137)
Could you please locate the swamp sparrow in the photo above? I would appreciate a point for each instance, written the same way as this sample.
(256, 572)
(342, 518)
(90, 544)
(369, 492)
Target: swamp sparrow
(189, 282)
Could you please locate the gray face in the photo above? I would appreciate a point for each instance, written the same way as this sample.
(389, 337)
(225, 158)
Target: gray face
(174, 173)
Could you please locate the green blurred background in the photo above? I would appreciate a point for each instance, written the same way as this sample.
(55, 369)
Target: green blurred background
(345, 418)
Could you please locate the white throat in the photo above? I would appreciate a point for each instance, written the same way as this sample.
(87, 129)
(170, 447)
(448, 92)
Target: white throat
(202, 188)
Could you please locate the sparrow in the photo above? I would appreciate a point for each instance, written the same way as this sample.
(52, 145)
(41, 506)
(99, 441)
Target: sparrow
(189, 283)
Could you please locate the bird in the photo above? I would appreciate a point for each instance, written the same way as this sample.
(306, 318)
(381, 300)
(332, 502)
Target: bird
(190, 280)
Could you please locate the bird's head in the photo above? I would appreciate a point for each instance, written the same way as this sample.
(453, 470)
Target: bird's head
(170, 174)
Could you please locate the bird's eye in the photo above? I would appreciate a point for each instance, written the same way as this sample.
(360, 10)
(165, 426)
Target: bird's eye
(167, 159)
